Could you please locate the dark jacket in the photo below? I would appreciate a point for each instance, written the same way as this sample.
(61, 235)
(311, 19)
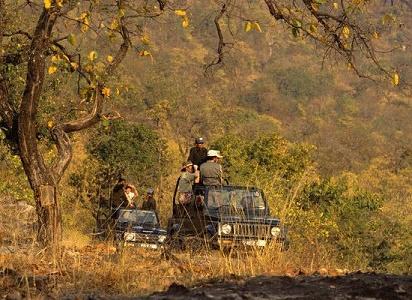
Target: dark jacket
(149, 204)
(118, 197)
(197, 155)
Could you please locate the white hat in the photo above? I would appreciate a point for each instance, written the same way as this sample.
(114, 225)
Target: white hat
(214, 153)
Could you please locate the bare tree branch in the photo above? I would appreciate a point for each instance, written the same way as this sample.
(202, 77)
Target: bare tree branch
(60, 132)
(221, 43)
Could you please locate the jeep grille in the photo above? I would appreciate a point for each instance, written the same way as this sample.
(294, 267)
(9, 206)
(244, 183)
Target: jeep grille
(252, 230)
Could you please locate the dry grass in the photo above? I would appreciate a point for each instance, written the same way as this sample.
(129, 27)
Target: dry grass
(88, 266)
(97, 268)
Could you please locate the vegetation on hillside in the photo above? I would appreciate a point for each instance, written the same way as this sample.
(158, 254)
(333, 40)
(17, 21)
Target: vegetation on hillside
(331, 150)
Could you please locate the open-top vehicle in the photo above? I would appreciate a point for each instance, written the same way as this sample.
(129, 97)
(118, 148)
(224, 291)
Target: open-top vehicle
(224, 217)
(140, 228)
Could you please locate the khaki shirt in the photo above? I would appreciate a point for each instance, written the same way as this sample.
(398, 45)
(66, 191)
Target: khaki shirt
(211, 173)
(186, 182)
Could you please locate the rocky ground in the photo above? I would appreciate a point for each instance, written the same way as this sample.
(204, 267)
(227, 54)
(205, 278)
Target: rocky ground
(351, 286)
(363, 286)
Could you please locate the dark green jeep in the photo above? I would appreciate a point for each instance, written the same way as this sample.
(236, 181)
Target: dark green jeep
(223, 217)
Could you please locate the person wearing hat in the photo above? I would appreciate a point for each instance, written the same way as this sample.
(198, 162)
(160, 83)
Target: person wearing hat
(149, 203)
(198, 153)
(188, 177)
(131, 195)
(211, 172)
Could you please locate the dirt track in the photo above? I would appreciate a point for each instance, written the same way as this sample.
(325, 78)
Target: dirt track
(352, 286)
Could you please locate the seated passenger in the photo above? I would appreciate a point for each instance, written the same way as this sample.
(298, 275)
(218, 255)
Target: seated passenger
(211, 172)
(187, 178)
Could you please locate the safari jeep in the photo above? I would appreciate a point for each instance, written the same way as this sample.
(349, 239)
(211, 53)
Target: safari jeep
(139, 228)
(223, 217)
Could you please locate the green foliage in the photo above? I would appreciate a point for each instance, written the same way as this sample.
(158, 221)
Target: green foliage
(329, 219)
(14, 182)
(134, 151)
(268, 157)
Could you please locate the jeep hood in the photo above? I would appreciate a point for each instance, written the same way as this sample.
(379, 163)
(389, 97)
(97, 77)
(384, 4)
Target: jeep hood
(148, 230)
(265, 220)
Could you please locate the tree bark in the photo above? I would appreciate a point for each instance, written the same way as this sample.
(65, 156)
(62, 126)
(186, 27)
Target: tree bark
(40, 177)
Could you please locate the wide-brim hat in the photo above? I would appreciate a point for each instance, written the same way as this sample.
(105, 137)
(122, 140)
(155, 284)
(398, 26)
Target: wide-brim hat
(214, 153)
(185, 165)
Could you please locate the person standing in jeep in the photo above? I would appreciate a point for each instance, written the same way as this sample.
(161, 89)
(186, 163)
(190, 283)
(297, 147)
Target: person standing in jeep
(198, 153)
(149, 203)
(211, 172)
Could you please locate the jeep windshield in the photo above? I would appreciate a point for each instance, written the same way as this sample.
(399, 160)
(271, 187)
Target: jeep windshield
(138, 217)
(235, 202)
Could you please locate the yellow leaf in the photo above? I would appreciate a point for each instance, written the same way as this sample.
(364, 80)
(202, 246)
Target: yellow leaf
(145, 39)
(86, 24)
(84, 15)
(52, 69)
(59, 3)
(117, 92)
(395, 79)
(257, 26)
(106, 92)
(92, 55)
(50, 124)
(145, 53)
(313, 28)
(375, 35)
(47, 4)
(345, 32)
(248, 26)
(55, 58)
(74, 65)
(335, 5)
(180, 12)
(185, 22)
(109, 58)
(114, 25)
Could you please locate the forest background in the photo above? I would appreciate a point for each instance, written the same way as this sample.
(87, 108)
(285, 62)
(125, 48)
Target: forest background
(332, 151)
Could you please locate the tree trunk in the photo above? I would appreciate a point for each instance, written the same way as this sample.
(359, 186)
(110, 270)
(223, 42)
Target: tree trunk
(41, 178)
(49, 216)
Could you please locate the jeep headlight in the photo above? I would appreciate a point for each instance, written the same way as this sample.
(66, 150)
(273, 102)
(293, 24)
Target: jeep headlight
(162, 238)
(275, 231)
(226, 228)
(129, 236)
